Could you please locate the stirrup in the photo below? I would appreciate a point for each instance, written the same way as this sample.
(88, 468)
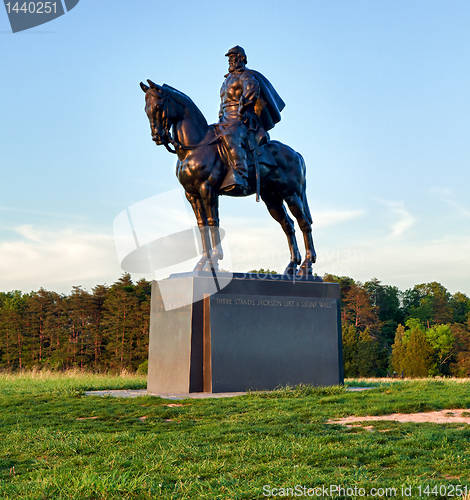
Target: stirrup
(234, 184)
(235, 189)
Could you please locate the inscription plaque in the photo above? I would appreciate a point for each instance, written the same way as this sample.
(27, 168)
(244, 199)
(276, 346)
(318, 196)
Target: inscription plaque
(261, 342)
(255, 333)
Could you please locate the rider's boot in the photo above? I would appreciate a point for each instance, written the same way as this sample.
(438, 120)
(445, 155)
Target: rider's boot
(236, 183)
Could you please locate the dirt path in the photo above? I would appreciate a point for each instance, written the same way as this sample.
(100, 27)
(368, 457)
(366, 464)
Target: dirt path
(436, 417)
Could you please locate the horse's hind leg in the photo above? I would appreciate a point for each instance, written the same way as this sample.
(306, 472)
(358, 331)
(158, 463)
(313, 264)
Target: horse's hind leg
(302, 214)
(278, 212)
(201, 217)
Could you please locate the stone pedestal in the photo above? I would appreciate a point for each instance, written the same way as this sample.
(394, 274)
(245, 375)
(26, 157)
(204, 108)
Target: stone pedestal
(233, 333)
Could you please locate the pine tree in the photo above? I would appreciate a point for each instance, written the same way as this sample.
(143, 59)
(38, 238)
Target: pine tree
(139, 351)
(120, 322)
(366, 354)
(461, 366)
(100, 294)
(398, 350)
(13, 305)
(56, 331)
(350, 354)
(81, 328)
(418, 354)
(40, 305)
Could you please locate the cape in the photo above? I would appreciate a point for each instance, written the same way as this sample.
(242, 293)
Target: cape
(272, 105)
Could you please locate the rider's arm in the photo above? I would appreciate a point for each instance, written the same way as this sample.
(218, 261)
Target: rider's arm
(250, 93)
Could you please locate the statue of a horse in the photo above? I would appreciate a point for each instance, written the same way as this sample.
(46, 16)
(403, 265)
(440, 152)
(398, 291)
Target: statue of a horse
(175, 120)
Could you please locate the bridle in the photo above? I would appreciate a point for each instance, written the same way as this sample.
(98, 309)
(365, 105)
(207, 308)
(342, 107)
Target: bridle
(168, 139)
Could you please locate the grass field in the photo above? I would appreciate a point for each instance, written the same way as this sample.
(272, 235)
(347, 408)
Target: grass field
(57, 443)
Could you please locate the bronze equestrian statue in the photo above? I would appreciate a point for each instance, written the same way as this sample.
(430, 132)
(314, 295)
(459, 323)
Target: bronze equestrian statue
(234, 157)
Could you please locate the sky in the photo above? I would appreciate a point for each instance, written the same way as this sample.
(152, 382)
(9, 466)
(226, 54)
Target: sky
(377, 102)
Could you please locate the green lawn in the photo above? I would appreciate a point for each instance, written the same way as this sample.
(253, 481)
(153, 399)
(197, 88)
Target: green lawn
(57, 443)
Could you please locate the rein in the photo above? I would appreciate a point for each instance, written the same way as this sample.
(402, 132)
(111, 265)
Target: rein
(176, 144)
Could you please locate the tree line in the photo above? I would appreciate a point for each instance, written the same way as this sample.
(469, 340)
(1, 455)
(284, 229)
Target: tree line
(423, 331)
(102, 330)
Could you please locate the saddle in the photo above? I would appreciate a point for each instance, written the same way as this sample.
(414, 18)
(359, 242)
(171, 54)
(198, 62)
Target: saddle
(262, 152)
(257, 152)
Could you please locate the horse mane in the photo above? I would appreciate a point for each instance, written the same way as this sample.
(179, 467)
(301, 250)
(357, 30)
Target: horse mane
(185, 101)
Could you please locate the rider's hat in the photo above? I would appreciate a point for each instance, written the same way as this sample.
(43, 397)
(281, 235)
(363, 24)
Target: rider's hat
(236, 50)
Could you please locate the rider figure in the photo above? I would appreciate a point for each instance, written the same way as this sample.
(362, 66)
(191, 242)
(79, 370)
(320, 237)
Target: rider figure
(249, 108)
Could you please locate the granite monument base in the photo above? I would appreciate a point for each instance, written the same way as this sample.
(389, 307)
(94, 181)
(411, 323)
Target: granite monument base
(232, 333)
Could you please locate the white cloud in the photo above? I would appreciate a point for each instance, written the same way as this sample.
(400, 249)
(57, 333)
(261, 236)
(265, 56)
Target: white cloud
(405, 264)
(57, 260)
(463, 211)
(261, 243)
(333, 217)
(395, 261)
(448, 196)
(405, 219)
(60, 215)
(441, 191)
(321, 218)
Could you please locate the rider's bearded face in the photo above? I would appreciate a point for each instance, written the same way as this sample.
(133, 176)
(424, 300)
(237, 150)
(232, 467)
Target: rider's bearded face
(235, 61)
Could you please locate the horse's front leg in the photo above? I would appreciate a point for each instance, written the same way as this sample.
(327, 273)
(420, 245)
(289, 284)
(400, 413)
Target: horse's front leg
(210, 200)
(201, 217)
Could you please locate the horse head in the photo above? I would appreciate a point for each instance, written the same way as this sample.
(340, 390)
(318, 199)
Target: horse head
(161, 113)
(167, 107)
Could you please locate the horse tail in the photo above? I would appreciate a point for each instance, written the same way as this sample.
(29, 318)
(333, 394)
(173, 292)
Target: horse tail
(303, 194)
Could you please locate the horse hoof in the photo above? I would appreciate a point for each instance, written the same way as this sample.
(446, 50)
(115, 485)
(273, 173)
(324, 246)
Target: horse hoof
(291, 269)
(211, 266)
(305, 271)
(201, 265)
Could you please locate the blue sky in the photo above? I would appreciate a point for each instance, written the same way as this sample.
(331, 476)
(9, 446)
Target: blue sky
(377, 101)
